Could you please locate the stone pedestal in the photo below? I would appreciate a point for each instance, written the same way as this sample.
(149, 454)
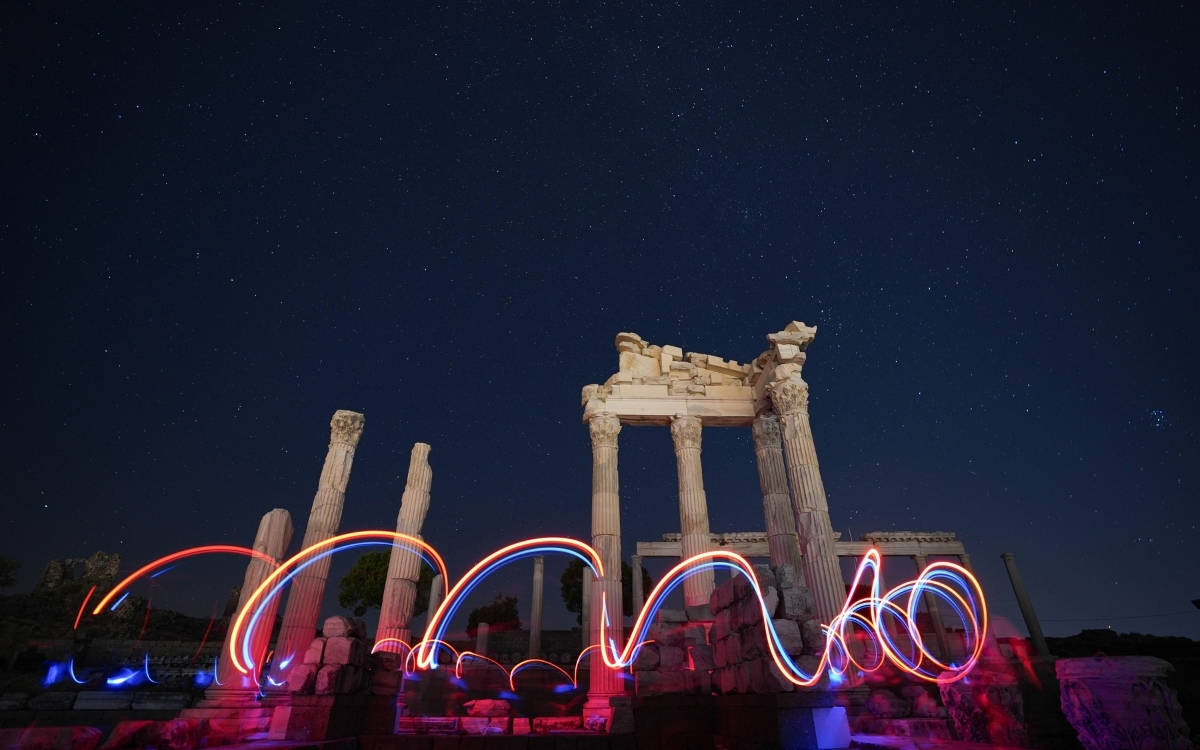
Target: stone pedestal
(308, 587)
(404, 566)
(604, 683)
(782, 541)
(319, 717)
(809, 504)
(695, 537)
(1122, 702)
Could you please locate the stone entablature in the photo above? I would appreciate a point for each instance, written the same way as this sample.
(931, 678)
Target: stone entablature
(921, 537)
(653, 384)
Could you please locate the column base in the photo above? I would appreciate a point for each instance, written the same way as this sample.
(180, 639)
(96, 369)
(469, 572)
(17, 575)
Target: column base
(608, 712)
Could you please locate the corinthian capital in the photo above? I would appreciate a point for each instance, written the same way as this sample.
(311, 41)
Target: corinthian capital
(789, 396)
(604, 428)
(346, 427)
(686, 432)
(766, 430)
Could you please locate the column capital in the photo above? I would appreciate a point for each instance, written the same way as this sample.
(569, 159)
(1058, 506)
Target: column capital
(686, 432)
(766, 430)
(790, 396)
(346, 427)
(604, 428)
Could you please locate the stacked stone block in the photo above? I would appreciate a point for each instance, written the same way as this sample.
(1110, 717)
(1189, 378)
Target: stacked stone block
(742, 661)
(335, 663)
(725, 650)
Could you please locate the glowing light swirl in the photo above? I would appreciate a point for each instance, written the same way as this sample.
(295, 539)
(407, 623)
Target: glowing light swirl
(521, 665)
(207, 549)
(379, 645)
(241, 633)
(942, 579)
(436, 629)
(458, 664)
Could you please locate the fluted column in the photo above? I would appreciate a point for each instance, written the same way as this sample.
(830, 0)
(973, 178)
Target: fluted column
(606, 539)
(639, 596)
(308, 587)
(782, 541)
(273, 537)
(404, 566)
(809, 505)
(435, 594)
(935, 614)
(535, 607)
(695, 536)
(585, 611)
(1026, 605)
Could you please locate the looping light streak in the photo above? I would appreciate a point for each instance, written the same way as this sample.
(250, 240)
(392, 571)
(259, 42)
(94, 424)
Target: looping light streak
(950, 582)
(382, 642)
(71, 670)
(458, 664)
(207, 549)
(857, 637)
(436, 628)
(241, 633)
(521, 665)
(82, 607)
(412, 655)
(146, 668)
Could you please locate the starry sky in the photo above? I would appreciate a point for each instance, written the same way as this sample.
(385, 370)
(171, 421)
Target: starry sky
(223, 223)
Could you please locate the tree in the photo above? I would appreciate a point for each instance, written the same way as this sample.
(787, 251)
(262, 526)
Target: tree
(572, 587)
(362, 588)
(501, 614)
(8, 571)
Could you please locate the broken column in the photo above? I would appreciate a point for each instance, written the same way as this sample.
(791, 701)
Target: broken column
(789, 395)
(604, 683)
(535, 610)
(308, 587)
(273, 537)
(404, 566)
(693, 506)
(782, 542)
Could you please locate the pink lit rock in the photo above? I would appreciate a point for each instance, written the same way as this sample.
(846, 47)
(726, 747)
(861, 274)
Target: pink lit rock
(487, 707)
(1122, 702)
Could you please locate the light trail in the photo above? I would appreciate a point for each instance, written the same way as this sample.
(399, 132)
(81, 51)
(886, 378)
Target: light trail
(207, 549)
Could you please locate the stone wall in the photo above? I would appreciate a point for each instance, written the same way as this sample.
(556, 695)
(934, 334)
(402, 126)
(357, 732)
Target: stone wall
(724, 649)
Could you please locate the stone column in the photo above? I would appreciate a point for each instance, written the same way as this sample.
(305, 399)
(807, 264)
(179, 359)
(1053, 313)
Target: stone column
(481, 638)
(695, 536)
(308, 587)
(639, 596)
(1026, 605)
(273, 537)
(535, 607)
(435, 595)
(782, 541)
(404, 567)
(935, 614)
(585, 612)
(815, 532)
(604, 683)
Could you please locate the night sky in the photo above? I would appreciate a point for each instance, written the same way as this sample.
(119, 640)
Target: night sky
(222, 224)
